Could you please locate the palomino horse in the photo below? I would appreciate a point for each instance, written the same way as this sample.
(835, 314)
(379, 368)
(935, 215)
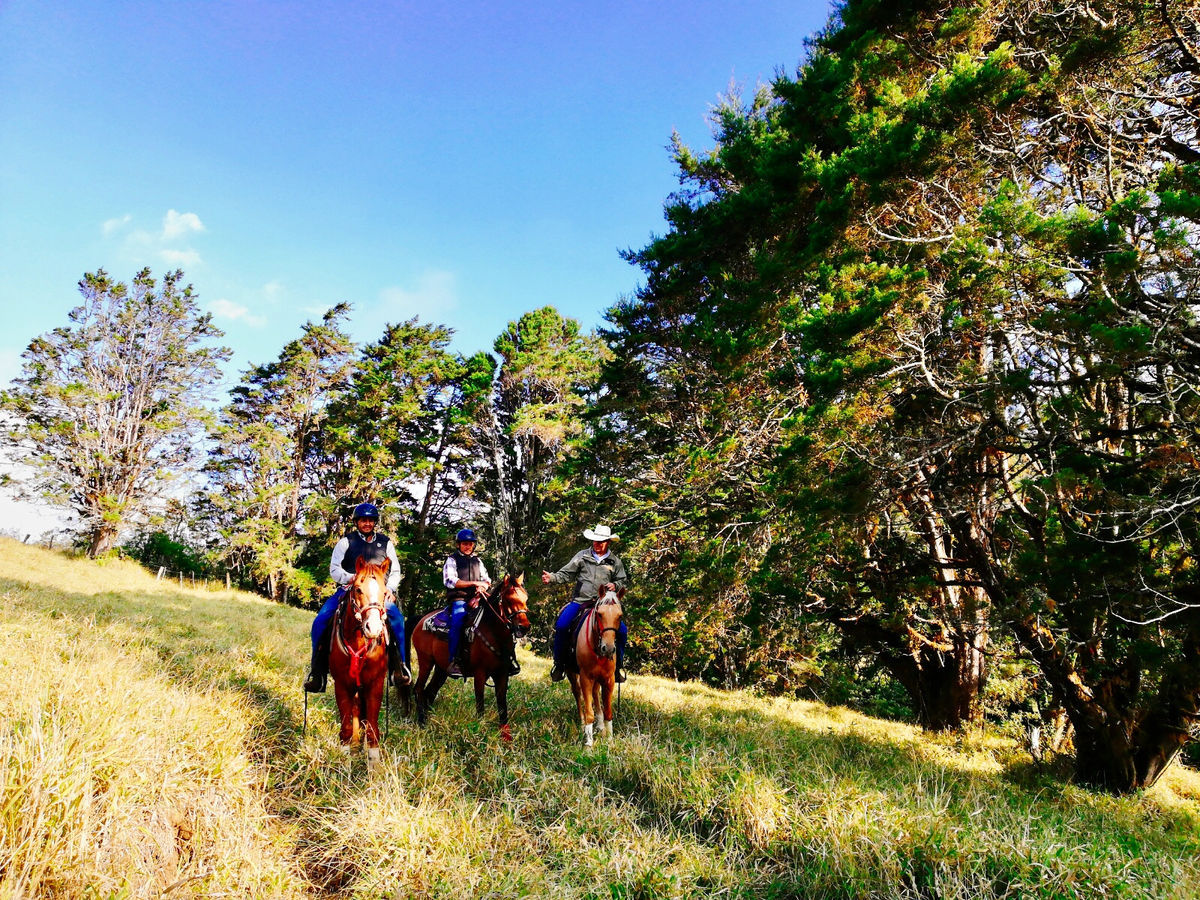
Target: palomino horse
(358, 655)
(596, 659)
(505, 618)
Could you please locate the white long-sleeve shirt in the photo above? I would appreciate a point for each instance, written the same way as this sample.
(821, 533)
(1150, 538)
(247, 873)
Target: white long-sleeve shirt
(343, 578)
(450, 572)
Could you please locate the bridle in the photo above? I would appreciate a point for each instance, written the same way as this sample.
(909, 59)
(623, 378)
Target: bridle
(496, 610)
(360, 610)
(610, 598)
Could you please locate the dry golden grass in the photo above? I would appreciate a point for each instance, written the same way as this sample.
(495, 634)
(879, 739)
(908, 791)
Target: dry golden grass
(152, 748)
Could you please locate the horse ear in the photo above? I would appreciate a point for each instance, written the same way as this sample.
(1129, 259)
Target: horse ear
(359, 565)
(621, 593)
(520, 580)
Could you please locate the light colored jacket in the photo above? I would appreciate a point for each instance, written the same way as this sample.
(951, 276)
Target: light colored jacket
(590, 574)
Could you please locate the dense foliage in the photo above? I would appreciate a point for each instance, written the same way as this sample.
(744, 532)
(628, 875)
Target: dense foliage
(920, 349)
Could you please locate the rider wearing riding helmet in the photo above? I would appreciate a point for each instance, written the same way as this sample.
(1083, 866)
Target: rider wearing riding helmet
(371, 546)
(464, 575)
(590, 569)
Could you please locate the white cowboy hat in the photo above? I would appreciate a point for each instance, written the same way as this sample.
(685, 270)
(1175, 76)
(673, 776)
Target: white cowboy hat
(600, 533)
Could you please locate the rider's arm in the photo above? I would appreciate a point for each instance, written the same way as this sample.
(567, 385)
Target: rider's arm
(570, 571)
(393, 581)
(336, 572)
(450, 573)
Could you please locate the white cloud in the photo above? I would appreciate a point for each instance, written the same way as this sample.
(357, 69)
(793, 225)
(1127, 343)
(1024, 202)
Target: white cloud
(111, 226)
(176, 224)
(180, 259)
(227, 309)
(273, 291)
(434, 294)
(169, 244)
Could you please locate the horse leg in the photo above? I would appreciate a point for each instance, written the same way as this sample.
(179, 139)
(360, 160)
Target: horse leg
(606, 692)
(345, 705)
(574, 679)
(436, 680)
(502, 707)
(480, 687)
(372, 701)
(586, 714)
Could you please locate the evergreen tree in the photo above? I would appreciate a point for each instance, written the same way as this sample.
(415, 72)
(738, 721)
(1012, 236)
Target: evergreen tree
(267, 460)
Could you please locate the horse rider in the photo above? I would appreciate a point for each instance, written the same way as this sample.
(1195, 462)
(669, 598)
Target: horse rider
(465, 576)
(371, 546)
(590, 569)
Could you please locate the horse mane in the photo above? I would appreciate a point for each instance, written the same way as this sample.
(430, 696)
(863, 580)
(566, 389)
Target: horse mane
(371, 569)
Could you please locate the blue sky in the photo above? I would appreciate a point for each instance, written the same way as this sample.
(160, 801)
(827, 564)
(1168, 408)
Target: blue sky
(463, 162)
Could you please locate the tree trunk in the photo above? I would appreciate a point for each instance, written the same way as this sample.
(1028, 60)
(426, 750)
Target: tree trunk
(944, 679)
(945, 687)
(103, 539)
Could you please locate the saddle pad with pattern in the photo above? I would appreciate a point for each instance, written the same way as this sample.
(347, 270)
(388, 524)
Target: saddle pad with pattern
(439, 624)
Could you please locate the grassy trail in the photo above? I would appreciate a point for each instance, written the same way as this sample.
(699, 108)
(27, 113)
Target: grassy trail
(151, 744)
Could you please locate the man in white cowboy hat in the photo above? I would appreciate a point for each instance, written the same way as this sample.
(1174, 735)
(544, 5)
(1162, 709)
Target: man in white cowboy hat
(590, 569)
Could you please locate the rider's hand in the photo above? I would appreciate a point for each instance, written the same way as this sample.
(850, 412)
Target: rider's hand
(545, 577)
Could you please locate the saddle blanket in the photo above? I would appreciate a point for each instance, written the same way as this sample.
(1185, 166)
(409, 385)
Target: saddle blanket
(439, 624)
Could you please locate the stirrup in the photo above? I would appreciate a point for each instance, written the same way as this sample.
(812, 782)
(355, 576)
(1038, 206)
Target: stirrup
(401, 676)
(514, 668)
(314, 683)
(557, 673)
(619, 675)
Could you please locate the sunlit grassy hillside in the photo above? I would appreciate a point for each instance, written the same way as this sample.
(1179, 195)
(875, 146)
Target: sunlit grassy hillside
(151, 743)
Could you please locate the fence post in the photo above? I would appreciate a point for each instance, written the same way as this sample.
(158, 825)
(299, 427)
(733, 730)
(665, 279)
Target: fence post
(181, 577)
(161, 570)
(227, 585)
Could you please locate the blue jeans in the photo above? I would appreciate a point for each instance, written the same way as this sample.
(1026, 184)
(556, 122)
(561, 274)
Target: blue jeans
(562, 636)
(329, 609)
(458, 612)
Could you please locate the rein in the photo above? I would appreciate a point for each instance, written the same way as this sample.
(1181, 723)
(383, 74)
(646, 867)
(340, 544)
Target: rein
(593, 619)
(489, 605)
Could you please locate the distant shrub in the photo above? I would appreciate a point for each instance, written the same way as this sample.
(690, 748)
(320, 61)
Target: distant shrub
(157, 548)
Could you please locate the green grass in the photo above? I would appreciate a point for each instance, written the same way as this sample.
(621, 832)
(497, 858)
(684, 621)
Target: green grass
(152, 747)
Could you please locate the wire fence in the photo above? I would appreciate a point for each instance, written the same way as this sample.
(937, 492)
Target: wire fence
(176, 576)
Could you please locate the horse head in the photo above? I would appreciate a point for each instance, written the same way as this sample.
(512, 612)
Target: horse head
(368, 594)
(514, 604)
(607, 618)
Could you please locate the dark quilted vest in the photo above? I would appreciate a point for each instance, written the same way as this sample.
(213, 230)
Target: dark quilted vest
(469, 569)
(372, 552)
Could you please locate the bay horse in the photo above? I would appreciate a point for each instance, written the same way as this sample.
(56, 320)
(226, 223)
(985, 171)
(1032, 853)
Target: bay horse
(505, 618)
(358, 656)
(596, 660)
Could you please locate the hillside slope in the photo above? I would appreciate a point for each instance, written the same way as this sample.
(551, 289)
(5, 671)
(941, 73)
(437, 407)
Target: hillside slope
(151, 740)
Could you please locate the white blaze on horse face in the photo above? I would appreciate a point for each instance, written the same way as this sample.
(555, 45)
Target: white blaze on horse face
(372, 625)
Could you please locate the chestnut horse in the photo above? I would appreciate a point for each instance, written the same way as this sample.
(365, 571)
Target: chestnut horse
(596, 659)
(505, 618)
(358, 655)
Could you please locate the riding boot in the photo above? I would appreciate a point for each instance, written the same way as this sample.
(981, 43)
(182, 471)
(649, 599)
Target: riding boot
(559, 671)
(318, 669)
(398, 673)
